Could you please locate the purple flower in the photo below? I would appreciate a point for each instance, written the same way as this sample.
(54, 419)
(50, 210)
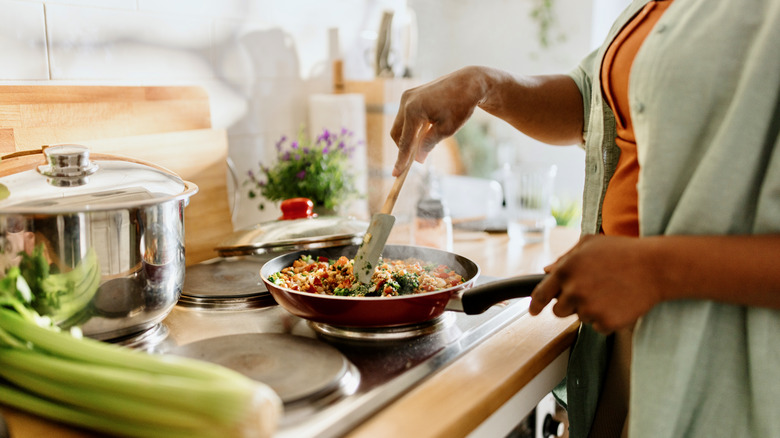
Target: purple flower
(286, 156)
(301, 174)
(279, 143)
(325, 150)
(294, 145)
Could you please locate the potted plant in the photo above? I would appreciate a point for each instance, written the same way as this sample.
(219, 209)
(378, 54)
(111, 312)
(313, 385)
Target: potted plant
(317, 169)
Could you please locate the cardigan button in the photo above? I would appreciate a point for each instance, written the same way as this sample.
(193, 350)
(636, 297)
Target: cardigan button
(639, 107)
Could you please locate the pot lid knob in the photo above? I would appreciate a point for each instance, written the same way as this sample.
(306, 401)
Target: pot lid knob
(68, 166)
(297, 208)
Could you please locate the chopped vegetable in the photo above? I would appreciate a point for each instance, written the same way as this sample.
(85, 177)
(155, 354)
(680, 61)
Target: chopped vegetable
(109, 388)
(407, 282)
(63, 297)
(390, 278)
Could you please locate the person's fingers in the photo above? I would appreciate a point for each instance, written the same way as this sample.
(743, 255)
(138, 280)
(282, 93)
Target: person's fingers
(427, 142)
(544, 292)
(564, 306)
(408, 131)
(397, 128)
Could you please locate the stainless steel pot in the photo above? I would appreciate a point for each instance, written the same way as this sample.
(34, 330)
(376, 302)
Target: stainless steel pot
(123, 215)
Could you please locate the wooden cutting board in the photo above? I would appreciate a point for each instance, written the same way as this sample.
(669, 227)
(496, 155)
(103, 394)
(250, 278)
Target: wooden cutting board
(31, 116)
(168, 126)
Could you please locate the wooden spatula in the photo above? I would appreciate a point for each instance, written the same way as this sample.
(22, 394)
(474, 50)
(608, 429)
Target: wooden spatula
(382, 222)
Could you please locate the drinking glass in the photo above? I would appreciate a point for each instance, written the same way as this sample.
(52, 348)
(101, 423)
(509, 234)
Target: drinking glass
(529, 191)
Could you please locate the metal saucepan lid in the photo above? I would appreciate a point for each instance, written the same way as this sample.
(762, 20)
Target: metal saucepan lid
(63, 178)
(232, 283)
(297, 229)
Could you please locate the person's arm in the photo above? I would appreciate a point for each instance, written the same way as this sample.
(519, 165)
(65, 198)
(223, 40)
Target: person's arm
(547, 108)
(612, 281)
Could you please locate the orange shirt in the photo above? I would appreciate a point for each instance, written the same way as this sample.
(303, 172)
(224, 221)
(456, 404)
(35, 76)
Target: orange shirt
(619, 215)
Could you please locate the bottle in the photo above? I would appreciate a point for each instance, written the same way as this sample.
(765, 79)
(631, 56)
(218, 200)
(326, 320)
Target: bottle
(432, 222)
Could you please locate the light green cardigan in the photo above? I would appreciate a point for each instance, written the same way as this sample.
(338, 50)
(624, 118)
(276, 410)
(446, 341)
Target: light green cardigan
(705, 104)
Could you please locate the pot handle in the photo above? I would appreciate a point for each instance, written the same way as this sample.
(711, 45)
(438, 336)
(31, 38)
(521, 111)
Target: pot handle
(23, 153)
(480, 298)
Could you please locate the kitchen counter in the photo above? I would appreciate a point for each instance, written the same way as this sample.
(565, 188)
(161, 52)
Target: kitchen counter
(486, 389)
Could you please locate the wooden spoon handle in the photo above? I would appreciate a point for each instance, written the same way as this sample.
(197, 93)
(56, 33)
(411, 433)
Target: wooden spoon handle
(387, 208)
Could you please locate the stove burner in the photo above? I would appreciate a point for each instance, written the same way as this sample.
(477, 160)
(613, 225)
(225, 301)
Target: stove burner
(299, 369)
(409, 331)
(225, 284)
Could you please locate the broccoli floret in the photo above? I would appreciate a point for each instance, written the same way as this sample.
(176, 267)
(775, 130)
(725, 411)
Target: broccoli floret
(357, 290)
(342, 292)
(407, 283)
(360, 290)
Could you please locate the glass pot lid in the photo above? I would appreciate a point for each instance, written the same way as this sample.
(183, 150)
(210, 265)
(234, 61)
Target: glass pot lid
(298, 228)
(63, 178)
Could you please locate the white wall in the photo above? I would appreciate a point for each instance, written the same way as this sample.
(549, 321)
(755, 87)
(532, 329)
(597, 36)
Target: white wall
(499, 33)
(260, 59)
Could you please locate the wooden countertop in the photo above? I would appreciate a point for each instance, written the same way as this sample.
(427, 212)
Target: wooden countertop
(460, 397)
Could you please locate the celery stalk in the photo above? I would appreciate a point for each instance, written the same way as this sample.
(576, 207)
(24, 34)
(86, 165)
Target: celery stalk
(193, 395)
(77, 417)
(90, 350)
(104, 403)
(229, 402)
(109, 388)
(66, 295)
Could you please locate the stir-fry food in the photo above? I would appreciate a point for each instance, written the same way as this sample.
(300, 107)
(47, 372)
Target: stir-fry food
(391, 277)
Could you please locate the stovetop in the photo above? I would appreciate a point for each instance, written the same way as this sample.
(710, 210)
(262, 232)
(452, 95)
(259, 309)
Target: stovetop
(331, 380)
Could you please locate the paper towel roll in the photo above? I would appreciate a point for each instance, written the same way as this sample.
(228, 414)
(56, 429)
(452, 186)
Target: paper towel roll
(334, 112)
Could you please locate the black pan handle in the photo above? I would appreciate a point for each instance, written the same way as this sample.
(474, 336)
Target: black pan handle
(3, 428)
(480, 298)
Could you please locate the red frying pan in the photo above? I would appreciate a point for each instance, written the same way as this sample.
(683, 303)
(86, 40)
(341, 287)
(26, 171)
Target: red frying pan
(399, 310)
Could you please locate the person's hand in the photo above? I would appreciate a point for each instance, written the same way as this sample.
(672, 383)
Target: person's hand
(447, 103)
(607, 281)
